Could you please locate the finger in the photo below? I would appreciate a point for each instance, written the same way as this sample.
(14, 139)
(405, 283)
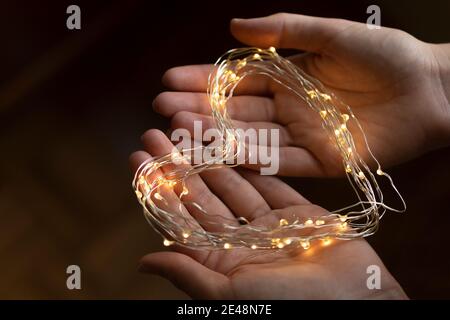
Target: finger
(172, 202)
(243, 108)
(188, 120)
(188, 275)
(278, 194)
(236, 192)
(284, 30)
(195, 78)
(136, 159)
(156, 143)
(285, 161)
(173, 205)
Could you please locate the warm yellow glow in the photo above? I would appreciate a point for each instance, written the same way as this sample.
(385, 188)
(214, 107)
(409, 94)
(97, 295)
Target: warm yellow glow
(156, 175)
(167, 242)
(320, 222)
(256, 56)
(345, 117)
(186, 235)
(326, 97)
(305, 244)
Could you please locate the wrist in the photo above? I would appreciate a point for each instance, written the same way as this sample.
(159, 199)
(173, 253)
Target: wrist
(442, 56)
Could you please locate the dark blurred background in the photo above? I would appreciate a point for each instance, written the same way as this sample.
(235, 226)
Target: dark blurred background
(73, 105)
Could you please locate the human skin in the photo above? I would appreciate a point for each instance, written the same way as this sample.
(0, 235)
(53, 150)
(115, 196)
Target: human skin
(399, 89)
(397, 86)
(335, 271)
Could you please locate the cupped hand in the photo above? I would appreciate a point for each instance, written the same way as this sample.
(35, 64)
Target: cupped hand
(391, 80)
(335, 271)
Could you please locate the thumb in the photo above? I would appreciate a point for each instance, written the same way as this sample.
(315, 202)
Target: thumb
(185, 273)
(285, 30)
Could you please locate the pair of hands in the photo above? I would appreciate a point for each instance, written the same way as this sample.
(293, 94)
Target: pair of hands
(397, 87)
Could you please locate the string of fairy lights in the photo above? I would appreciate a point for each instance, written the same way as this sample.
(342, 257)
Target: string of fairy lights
(162, 185)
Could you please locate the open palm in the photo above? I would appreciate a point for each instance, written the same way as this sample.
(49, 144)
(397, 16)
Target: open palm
(389, 78)
(335, 271)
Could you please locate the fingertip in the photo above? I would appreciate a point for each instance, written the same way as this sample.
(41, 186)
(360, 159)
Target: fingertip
(235, 22)
(169, 77)
(236, 27)
(136, 159)
(160, 102)
(254, 31)
(156, 143)
(151, 134)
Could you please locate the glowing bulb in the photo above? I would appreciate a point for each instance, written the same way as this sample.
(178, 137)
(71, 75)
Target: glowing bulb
(305, 244)
(223, 79)
(167, 242)
(326, 97)
(320, 222)
(185, 235)
(326, 241)
(379, 172)
(256, 56)
(312, 94)
(345, 117)
(241, 64)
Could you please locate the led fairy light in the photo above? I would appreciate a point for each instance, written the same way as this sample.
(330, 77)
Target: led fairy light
(162, 184)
